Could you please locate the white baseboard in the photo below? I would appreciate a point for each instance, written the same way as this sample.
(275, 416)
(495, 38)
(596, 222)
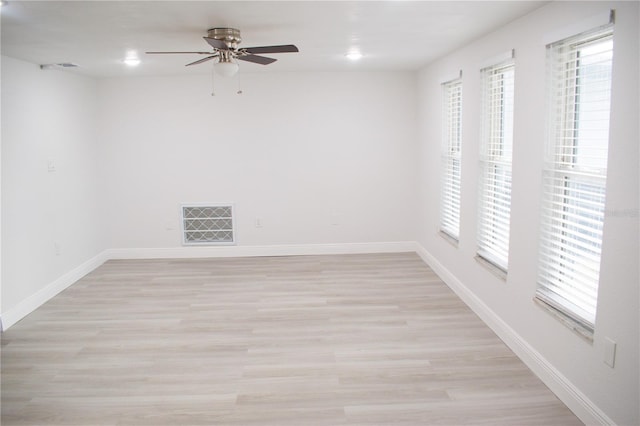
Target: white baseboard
(254, 251)
(566, 391)
(36, 300)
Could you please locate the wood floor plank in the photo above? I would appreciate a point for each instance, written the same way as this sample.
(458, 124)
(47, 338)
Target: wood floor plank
(304, 340)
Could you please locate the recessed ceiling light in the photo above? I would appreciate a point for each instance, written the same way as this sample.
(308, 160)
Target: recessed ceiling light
(354, 55)
(132, 62)
(132, 59)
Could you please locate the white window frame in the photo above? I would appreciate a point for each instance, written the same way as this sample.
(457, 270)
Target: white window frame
(574, 178)
(451, 159)
(496, 146)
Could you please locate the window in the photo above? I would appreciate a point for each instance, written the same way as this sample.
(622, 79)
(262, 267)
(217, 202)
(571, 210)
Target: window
(207, 224)
(495, 164)
(574, 182)
(452, 114)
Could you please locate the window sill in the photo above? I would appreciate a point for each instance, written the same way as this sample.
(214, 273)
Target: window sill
(491, 267)
(450, 239)
(567, 321)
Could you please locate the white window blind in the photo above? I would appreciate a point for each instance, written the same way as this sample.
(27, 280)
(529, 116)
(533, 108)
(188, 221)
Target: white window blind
(495, 163)
(579, 73)
(452, 143)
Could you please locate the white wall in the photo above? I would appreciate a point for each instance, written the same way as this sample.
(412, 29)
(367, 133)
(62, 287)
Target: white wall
(613, 391)
(320, 158)
(295, 150)
(48, 118)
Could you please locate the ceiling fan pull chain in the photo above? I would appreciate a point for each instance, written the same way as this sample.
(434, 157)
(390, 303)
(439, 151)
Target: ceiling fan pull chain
(213, 82)
(239, 92)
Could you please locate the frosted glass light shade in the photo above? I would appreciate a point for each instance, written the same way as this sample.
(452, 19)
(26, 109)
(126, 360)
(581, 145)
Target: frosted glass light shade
(226, 69)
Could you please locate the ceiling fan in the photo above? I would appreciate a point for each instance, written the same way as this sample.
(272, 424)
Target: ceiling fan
(224, 42)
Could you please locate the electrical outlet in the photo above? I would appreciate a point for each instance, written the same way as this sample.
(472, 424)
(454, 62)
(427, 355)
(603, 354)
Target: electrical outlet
(258, 222)
(56, 248)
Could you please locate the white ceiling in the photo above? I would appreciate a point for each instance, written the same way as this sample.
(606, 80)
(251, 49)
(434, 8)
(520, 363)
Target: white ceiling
(392, 35)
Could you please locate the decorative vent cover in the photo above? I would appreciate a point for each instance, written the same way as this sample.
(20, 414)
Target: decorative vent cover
(207, 224)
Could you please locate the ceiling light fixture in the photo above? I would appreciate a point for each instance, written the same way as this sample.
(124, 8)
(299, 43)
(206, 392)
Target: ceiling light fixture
(354, 55)
(132, 62)
(132, 59)
(225, 67)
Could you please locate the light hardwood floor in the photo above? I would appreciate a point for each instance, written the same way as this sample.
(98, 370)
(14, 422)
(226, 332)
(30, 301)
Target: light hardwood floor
(305, 340)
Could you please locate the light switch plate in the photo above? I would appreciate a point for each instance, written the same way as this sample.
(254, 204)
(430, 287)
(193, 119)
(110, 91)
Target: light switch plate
(609, 352)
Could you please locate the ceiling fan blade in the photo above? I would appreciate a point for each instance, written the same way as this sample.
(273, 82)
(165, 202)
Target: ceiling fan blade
(215, 43)
(271, 49)
(262, 60)
(202, 60)
(191, 53)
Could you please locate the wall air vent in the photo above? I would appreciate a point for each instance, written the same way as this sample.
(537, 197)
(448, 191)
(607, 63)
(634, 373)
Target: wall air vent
(208, 224)
(58, 66)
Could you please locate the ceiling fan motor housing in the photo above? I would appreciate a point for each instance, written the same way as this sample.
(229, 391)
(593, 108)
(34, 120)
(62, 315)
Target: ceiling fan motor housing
(230, 36)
